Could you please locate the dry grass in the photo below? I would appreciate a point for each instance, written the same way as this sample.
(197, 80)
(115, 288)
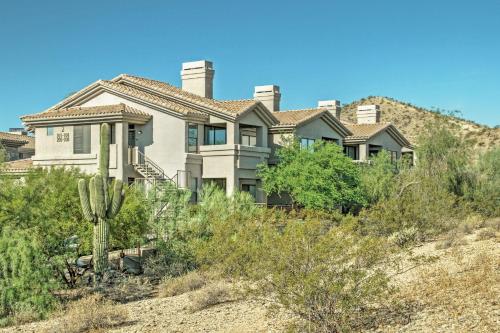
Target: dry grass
(453, 238)
(182, 284)
(211, 295)
(90, 314)
(463, 299)
(487, 233)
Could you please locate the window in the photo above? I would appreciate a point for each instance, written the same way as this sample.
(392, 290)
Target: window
(131, 135)
(193, 138)
(306, 143)
(248, 140)
(249, 188)
(81, 139)
(215, 135)
(112, 133)
(394, 156)
(194, 190)
(351, 152)
(50, 131)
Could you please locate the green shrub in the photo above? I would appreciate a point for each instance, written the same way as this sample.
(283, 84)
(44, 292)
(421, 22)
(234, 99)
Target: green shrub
(26, 279)
(321, 177)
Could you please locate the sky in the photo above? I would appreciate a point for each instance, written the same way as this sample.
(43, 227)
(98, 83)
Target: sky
(442, 53)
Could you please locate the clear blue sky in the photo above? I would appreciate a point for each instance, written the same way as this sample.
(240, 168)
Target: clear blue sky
(441, 53)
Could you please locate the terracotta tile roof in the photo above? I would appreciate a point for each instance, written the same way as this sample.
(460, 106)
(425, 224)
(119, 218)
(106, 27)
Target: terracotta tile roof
(31, 143)
(17, 138)
(365, 131)
(17, 166)
(80, 111)
(295, 117)
(228, 107)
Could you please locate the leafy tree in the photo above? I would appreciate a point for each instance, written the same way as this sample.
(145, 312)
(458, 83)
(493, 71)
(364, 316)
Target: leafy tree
(444, 156)
(321, 177)
(377, 178)
(26, 278)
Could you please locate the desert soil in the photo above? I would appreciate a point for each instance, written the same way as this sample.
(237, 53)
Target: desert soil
(173, 314)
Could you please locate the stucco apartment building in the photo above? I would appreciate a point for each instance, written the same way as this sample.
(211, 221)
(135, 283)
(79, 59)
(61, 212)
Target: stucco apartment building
(161, 132)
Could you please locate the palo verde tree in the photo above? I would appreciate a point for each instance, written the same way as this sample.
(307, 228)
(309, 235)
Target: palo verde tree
(319, 177)
(100, 205)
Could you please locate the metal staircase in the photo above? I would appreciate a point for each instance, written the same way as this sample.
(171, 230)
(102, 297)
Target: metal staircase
(155, 181)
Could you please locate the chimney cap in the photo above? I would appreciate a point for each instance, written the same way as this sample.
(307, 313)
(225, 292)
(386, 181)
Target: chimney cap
(271, 88)
(327, 104)
(372, 107)
(204, 64)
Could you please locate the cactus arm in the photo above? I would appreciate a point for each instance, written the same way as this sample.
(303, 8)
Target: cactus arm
(104, 152)
(84, 200)
(100, 202)
(117, 200)
(92, 195)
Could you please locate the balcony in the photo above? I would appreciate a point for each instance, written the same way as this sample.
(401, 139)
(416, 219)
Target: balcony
(244, 157)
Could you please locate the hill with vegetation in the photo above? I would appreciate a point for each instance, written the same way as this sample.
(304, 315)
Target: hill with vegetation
(411, 120)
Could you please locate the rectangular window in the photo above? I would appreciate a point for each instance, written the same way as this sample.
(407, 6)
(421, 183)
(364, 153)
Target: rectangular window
(249, 188)
(215, 135)
(306, 143)
(81, 139)
(131, 135)
(351, 152)
(193, 138)
(248, 140)
(50, 131)
(394, 156)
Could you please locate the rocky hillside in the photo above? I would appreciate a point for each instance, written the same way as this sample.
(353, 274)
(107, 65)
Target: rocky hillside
(411, 120)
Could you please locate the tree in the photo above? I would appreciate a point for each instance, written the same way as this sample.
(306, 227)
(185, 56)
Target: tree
(100, 206)
(26, 278)
(320, 177)
(377, 178)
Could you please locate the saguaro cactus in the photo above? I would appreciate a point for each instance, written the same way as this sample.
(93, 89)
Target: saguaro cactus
(99, 206)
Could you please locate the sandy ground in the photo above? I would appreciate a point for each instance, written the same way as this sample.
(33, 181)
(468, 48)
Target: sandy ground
(173, 314)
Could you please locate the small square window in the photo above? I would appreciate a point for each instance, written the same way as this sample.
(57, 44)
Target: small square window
(50, 131)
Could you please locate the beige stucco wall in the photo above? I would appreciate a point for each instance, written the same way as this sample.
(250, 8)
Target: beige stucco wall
(318, 129)
(382, 139)
(163, 138)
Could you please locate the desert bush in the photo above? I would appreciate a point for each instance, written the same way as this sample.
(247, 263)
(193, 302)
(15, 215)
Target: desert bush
(377, 178)
(487, 233)
(182, 284)
(405, 237)
(211, 295)
(454, 237)
(485, 193)
(130, 226)
(325, 276)
(26, 279)
(91, 313)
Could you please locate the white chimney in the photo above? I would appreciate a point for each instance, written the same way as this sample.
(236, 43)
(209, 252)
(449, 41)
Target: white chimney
(197, 78)
(269, 96)
(368, 114)
(333, 106)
